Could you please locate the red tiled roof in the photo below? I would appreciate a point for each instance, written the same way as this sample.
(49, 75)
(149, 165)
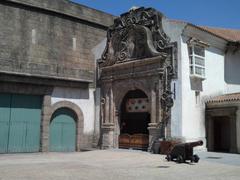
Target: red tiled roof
(230, 34)
(227, 34)
(225, 98)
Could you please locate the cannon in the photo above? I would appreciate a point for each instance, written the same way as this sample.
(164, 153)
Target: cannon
(184, 151)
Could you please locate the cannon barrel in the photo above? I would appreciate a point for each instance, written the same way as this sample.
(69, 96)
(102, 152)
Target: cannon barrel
(184, 151)
(194, 144)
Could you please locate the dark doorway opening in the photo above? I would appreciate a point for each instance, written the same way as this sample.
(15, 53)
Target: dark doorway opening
(222, 136)
(134, 120)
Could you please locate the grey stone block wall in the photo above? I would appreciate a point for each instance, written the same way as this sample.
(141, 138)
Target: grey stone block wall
(45, 43)
(71, 8)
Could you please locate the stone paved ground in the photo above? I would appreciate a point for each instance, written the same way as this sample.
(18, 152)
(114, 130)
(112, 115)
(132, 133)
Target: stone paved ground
(115, 165)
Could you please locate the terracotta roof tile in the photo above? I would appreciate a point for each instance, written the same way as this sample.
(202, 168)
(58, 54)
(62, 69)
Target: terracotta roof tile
(227, 34)
(230, 34)
(225, 98)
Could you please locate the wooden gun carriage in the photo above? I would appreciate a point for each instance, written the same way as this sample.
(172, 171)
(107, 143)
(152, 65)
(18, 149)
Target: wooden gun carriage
(184, 151)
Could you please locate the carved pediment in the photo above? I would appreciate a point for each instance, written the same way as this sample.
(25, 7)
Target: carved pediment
(136, 34)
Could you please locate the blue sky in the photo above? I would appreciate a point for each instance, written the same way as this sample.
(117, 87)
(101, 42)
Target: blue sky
(214, 13)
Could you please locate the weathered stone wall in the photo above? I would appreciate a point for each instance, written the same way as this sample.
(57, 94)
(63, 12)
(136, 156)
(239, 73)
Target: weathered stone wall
(50, 38)
(70, 8)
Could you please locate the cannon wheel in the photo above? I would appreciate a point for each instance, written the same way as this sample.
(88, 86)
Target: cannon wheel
(168, 158)
(195, 158)
(180, 159)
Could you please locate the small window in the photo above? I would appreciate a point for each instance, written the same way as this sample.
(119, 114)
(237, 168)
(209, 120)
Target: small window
(197, 61)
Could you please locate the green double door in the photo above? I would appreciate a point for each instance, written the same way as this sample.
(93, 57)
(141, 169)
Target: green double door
(20, 117)
(63, 131)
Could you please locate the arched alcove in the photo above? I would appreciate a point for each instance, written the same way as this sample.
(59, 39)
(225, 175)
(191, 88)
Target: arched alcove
(134, 120)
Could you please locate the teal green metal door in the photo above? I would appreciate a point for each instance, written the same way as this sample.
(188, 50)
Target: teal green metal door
(20, 123)
(5, 101)
(63, 131)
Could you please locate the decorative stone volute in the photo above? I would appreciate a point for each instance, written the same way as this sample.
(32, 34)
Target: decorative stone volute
(134, 35)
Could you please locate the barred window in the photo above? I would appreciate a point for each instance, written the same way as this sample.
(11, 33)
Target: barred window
(197, 61)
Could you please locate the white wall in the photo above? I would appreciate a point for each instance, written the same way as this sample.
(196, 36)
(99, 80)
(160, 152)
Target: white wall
(232, 72)
(191, 113)
(193, 108)
(174, 30)
(214, 83)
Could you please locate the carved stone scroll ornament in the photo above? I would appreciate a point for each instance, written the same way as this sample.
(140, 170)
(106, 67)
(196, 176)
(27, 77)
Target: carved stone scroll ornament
(135, 35)
(166, 99)
(102, 109)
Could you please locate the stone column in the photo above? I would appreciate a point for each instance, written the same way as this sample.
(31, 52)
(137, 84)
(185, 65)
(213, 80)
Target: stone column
(107, 136)
(158, 103)
(96, 134)
(153, 127)
(117, 128)
(108, 121)
(45, 122)
(154, 134)
(153, 106)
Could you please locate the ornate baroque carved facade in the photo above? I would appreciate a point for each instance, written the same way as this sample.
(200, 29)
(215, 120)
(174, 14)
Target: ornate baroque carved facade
(138, 56)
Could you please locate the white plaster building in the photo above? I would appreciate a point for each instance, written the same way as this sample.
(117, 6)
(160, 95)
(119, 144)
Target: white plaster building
(203, 89)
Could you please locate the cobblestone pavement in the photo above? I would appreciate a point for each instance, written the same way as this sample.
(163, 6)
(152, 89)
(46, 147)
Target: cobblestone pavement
(116, 165)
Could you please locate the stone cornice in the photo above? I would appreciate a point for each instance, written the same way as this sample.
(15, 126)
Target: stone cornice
(43, 80)
(134, 69)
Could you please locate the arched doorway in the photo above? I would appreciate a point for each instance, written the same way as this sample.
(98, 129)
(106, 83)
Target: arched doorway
(63, 131)
(134, 120)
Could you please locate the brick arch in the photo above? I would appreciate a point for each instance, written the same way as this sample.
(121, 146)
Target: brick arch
(79, 117)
